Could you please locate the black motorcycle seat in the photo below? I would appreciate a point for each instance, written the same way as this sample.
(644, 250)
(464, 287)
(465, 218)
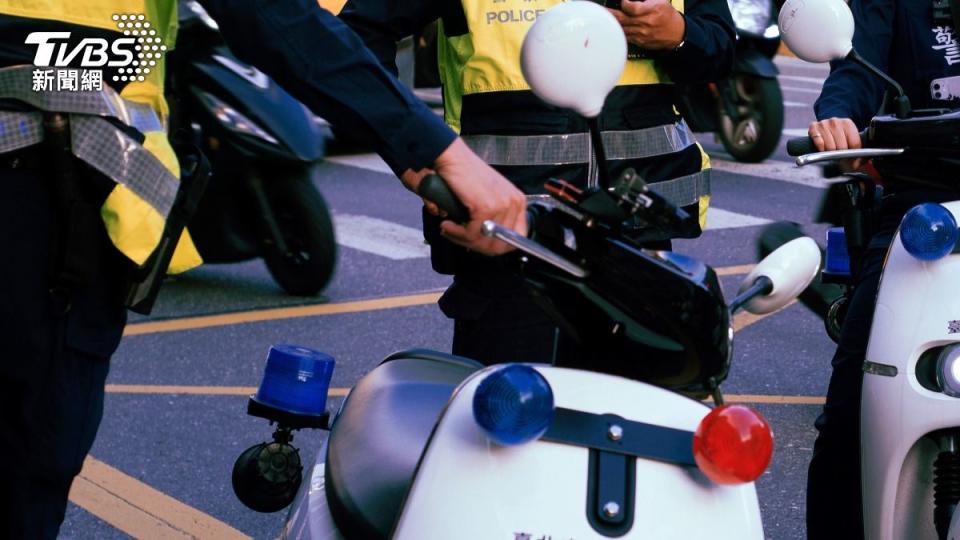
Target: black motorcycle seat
(380, 434)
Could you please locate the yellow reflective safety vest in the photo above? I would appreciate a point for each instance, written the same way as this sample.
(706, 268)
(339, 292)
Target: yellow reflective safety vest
(133, 221)
(487, 100)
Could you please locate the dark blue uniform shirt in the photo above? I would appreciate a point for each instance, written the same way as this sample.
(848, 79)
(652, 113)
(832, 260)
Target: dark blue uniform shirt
(901, 38)
(315, 57)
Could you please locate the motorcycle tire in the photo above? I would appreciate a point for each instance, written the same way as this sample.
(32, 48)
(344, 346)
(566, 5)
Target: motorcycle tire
(304, 221)
(755, 137)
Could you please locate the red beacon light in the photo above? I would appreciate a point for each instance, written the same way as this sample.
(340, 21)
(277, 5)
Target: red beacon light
(733, 445)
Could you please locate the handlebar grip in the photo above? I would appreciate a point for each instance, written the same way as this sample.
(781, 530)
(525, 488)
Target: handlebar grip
(804, 145)
(435, 189)
(800, 146)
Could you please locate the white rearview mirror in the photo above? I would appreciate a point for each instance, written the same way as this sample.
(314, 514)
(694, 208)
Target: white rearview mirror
(817, 30)
(573, 56)
(791, 268)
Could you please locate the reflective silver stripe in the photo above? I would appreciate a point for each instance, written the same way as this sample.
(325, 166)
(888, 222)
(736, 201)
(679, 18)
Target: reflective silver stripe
(685, 190)
(17, 83)
(19, 130)
(94, 139)
(124, 161)
(574, 148)
(647, 142)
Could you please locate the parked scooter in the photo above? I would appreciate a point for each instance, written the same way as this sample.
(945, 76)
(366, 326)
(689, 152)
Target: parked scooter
(428, 445)
(910, 415)
(263, 146)
(745, 110)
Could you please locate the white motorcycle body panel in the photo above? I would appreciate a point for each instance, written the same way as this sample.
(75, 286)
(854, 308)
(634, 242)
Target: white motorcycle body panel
(309, 516)
(915, 305)
(468, 487)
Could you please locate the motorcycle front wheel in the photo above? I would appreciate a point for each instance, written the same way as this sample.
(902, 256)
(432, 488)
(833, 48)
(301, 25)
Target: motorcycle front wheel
(759, 102)
(306, 266)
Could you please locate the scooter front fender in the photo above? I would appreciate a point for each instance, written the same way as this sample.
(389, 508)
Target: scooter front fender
(310, 516)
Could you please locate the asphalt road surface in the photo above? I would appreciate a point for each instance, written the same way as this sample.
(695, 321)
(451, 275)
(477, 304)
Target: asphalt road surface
(175, 411)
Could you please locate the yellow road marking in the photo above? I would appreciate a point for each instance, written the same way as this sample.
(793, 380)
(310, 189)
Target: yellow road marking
(342, 392)
(140, 510)
(198, 390)
(274, 314)
(734, 270)
(775, 400)
(745, 318)
(740, 321)
(171, 389)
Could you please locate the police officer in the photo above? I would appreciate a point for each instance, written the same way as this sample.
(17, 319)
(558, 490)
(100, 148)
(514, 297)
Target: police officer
(487, 100)
(62, 279)
(914, 43)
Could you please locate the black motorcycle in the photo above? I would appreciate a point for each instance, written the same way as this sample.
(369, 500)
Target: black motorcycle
(745, 110)
(263, 145)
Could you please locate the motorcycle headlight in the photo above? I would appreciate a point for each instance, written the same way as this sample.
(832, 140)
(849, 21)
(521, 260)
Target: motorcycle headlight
(751, 16)
(232, 119)
(948, 371)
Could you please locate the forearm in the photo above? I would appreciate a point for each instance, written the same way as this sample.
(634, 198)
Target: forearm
(851, 91)
(324, 64)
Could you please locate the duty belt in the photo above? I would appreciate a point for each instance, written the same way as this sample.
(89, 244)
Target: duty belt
(94, 139)
(575, 148)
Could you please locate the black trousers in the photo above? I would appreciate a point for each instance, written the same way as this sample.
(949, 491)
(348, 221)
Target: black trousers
(834, 508)
(496, 319)
(53, 364)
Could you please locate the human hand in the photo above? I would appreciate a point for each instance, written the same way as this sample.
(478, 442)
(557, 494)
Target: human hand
(486, 195)
(651, 24)
(837, 134)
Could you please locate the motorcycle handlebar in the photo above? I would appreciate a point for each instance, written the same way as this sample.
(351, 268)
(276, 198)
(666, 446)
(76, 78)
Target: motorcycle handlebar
(436, 190)
(799, 146)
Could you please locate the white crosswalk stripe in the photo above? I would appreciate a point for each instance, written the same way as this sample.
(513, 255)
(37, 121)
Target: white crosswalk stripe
(815, 91)
(774, 170)
(787, 61)
(724, 219)
(799, 132)
(380, 237)
(799, 78)
(399, 242)
(370, 162)
(782, 171)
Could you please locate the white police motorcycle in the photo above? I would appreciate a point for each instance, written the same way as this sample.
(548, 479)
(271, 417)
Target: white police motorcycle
(428, 445)
(910, 413)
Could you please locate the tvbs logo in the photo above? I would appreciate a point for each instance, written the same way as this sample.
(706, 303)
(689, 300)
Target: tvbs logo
(133, 56)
